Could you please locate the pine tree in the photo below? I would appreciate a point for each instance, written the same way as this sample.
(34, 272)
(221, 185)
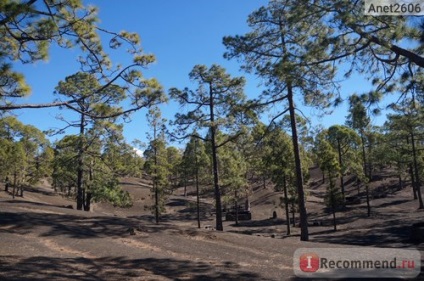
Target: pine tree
(283, 37)
(345, 141)
(329, 164)
(24, 151)
(408, 125)
(232, 168)
(359, 120)
(156, 164)
(216, 105)
(30, 28)
(195, 166)
(279, 159)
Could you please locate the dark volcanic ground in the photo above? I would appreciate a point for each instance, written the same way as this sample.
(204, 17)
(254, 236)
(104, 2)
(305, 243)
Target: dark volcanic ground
(42, 239)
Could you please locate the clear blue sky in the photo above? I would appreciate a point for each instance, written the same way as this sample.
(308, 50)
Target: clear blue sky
(181, 34)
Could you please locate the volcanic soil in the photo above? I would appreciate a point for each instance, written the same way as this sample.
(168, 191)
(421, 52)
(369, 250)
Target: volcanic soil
(43, 237)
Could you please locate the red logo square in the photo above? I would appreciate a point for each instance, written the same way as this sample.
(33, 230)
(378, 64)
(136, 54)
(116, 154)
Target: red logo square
(309, 262)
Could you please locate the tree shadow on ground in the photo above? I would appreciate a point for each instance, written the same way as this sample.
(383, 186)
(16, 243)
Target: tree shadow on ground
(393, 203)
(187, 211)
(118, 268)
(381, 234)
(28, 203)
(266, 199)
(73, 226)
(260, 223)
(419, 277)
(40, 191)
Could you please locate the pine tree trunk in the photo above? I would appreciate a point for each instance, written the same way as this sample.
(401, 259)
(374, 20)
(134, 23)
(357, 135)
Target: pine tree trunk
(417, 176)
(7, 183)
(367, 190)
(414, 190)
(236, 206)
(341, 173)
(411, 173)
(15, 182)
(80, 168)
(155, 180)
(197, 186)
(334, 218)
(286, 204)
(87, 194)
(218, 204)
(304, 235)
(87, 201)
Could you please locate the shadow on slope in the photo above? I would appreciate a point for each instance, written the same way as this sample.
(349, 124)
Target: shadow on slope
(73, 226)
(39, 204)
(380, 234)
(119, 268)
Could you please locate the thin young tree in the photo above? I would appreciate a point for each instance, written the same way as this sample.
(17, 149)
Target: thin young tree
(359, 120)
(345, 141)
(217, 105)
(157, 161)
(232, 167)
(329, 164)
(279, 159)
(195, 164)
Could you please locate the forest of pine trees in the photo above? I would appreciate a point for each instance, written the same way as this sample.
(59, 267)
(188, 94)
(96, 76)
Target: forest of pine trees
(220, 141)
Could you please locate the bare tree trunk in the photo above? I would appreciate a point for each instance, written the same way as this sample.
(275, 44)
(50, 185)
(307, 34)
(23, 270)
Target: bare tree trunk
(367, 190)
(236, 206)
(339, 149)
(185, 186)
(417, 175)
(218, 204)
(286, 204)
(87, 201)
(334, 217)
(15, 182)
(80, 168)
(414, 190)
(411, 173)
(155, 180)
(6, 185)
(88, 194)
(304, 235)
(197, 185)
